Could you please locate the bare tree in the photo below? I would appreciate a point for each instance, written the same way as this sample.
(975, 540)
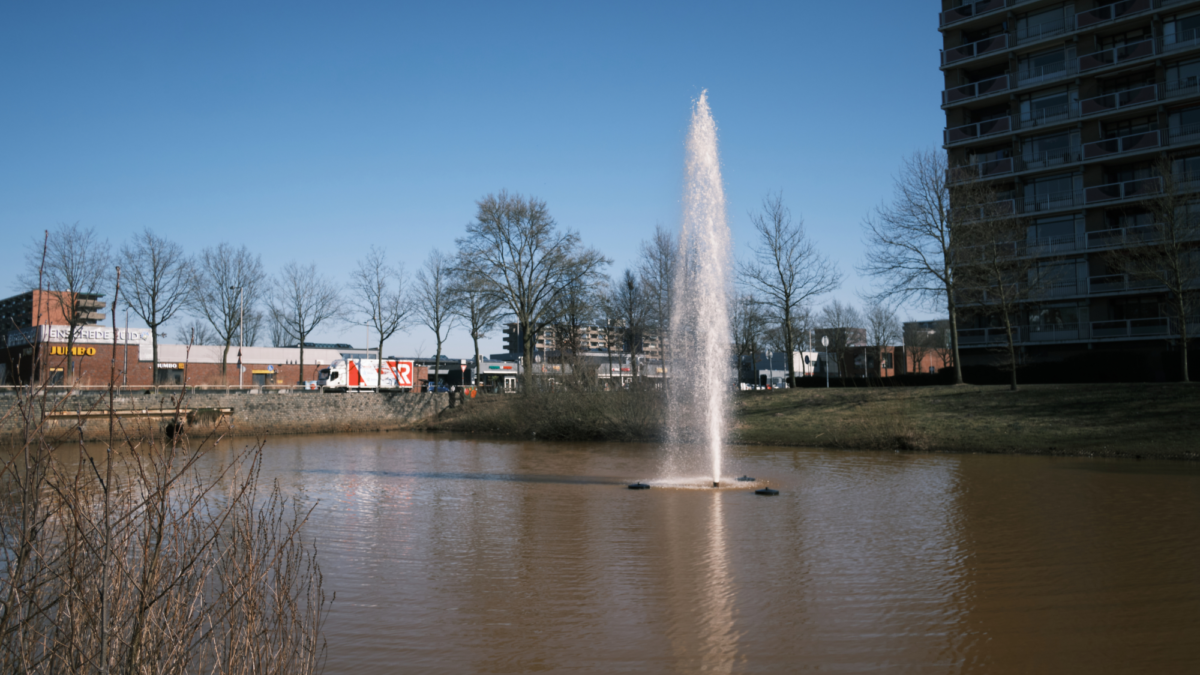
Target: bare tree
(158, 282)
(1167, 253)
(883, 330)
(378, 292)
(995, 279)
(255, 321)
(575, 310)
(633, 308)
(227, 283)
(749, 327)
(301, 300)
(909, 246)
(72, 263)
(435, 301)
(199, 332)
(610, 324)
(514, 246)
(479, 309)
(919, 343)
(278, 336)
(787, 270)
(656, 269)
(802, 325)
(843, 325)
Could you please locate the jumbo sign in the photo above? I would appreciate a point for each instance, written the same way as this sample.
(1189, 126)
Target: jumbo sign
(75, 351)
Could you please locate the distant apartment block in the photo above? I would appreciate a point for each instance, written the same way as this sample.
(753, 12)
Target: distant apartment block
(589, 340)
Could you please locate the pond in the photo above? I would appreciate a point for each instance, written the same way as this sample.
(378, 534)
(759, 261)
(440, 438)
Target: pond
(457, 555)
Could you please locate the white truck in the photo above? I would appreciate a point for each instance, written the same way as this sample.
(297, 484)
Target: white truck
(365, 375)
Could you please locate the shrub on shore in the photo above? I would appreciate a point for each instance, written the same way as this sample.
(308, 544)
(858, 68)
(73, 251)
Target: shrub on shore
(623, 415)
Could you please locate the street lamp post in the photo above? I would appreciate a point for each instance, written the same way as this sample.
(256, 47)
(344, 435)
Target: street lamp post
(242, 330)
(825, 344)
(125, 370)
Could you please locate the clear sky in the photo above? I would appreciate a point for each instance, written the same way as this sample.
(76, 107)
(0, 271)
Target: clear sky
(308, 131)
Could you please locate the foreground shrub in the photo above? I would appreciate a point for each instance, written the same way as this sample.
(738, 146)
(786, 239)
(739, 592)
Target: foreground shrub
(127, 557)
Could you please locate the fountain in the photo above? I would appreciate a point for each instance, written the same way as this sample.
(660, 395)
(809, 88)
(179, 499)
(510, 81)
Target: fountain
(700, 335)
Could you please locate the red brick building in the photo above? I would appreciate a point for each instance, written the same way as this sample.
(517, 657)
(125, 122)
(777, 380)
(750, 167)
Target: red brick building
(40, 355)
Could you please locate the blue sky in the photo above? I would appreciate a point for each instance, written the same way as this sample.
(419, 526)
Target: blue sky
(308, 131)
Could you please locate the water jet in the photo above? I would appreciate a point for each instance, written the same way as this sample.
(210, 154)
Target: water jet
(700, 330)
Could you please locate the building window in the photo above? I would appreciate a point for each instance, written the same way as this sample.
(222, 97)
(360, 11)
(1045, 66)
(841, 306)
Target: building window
(1057, 318)
(1052, 192)
(1047, 106)
(1037, 25)
(1054, 228)
(1043, 65)
(1181, 30)
(1051, 150)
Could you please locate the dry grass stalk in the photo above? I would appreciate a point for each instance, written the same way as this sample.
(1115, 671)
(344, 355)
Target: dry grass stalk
(136, 558)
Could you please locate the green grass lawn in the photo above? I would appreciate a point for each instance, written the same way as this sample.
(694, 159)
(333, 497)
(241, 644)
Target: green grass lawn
(1151, 420)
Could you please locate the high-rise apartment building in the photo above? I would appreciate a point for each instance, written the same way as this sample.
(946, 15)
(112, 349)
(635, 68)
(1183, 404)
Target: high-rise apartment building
(1067, 108)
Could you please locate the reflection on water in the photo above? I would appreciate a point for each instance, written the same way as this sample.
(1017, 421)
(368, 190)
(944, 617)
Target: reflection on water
(453, 556)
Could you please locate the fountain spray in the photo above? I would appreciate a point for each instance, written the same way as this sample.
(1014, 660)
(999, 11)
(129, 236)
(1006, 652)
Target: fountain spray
(700, 333)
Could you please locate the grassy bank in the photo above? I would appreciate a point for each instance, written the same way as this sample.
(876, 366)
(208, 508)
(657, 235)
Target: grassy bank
(1118, 420)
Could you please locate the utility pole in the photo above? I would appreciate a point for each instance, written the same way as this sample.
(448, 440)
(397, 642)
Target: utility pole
(242, 330)
(125, 370)
(825, 344)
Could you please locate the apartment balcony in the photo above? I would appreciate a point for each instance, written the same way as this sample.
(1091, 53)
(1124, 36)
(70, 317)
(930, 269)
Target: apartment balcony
(1136, 51)
(1114, 146)
(1131, 189)
(1049, 160)
(1047, 73)
(1057, 289)
(1043, 31)
(1047, 116)
(1051, 246)
(968, 52)
(1134, 328)
(970, 10)
(1121, 99)
(1051, 202)
(1121, 237)
(975, 90)
(1009, 165)
(1123, 329)
(1122, 54)
(1094, 18)
(1109, 284)
(982, 129)
(979, 170)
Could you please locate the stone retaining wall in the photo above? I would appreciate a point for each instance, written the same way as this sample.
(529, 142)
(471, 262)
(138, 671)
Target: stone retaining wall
(254, 414)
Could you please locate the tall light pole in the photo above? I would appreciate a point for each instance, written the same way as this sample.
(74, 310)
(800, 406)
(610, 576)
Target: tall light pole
(125, 370)
(825, 344)
(242, 330)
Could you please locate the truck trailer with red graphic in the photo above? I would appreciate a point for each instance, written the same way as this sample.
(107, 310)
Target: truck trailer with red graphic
(366, 374)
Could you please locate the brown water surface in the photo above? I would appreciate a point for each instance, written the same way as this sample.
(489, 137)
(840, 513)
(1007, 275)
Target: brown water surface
(453, 555)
